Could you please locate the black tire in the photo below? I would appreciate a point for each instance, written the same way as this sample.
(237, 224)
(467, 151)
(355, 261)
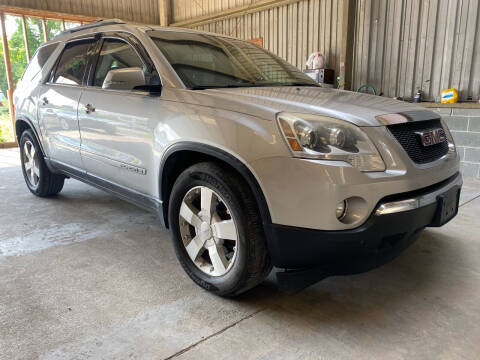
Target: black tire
(49, 184)
(252, 263)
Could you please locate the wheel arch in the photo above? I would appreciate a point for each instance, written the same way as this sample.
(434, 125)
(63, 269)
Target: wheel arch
(22, 124)
(182, 155)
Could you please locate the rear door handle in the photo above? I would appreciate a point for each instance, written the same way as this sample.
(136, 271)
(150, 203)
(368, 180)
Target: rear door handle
(89, 108)
(44, 101)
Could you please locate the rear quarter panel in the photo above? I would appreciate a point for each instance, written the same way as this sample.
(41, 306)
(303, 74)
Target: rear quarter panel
(25, 97)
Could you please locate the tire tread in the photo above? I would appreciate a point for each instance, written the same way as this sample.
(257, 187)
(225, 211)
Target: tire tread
(259, 263)
(50, 184)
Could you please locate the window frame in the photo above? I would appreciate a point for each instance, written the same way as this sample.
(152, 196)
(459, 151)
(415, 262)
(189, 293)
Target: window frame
(133, 42)
(53, 70)
(96, 61)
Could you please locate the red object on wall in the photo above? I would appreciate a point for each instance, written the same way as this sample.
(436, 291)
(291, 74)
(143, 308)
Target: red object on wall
(257, 41)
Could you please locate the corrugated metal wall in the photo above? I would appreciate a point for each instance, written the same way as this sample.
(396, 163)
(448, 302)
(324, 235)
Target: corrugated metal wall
(400, 45)
(292, 31)
(406, 45)
(141, 11)
(189, 9)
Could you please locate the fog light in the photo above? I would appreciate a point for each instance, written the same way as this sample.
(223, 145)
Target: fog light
(341, 209)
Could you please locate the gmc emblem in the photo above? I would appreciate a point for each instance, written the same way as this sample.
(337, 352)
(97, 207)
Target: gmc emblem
(432, 137)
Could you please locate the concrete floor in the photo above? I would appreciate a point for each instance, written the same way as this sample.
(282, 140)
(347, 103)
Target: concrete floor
(85, 275)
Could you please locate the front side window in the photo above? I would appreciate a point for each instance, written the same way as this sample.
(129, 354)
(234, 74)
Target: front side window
(209, 61)
(72, 64)
(115, 54)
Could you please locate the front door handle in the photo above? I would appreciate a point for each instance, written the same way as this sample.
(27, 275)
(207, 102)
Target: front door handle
(89, 108)
(44, 101)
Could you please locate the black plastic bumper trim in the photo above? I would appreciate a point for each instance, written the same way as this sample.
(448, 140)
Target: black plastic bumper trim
(379, 240)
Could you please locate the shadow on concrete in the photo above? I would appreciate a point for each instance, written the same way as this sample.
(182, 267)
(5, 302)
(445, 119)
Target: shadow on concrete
(417, 275)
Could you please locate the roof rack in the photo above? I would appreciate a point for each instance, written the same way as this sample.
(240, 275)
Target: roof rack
(92, 25)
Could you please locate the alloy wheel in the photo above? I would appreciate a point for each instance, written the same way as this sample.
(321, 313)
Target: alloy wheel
(208, 231)
(31, 164)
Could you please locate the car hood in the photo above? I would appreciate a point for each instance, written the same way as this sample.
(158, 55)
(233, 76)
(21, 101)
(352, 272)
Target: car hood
(266, 102)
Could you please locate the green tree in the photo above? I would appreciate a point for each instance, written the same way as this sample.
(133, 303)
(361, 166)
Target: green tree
(16, 45)
(18, 62)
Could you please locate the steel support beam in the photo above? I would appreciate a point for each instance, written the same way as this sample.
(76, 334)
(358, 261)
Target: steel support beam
(165, 12)
(348, 43)
(19, 11)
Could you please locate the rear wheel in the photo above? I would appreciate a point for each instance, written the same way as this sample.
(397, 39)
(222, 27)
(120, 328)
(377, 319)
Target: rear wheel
(217, 232)
(39, 179)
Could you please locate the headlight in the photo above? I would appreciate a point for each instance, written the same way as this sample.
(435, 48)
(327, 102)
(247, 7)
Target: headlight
(322, 137)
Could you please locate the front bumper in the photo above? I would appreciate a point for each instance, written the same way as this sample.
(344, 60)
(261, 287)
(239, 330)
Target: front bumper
(395, 223)
(305, 193)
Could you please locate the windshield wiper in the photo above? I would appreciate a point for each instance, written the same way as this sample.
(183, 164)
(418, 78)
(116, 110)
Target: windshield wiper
(203, 87)
(299, 84)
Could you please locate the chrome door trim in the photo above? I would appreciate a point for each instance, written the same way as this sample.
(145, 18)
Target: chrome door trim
(118, 164)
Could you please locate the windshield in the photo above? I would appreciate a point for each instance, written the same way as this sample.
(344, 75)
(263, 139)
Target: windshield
(205, 61)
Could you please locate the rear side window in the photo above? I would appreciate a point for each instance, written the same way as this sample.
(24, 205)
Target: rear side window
(72, 64)
(38, 61)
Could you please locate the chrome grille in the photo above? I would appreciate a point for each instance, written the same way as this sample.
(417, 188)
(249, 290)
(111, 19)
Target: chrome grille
(411, 142)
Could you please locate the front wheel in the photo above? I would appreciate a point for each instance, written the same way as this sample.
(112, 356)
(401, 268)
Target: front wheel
(217, 231)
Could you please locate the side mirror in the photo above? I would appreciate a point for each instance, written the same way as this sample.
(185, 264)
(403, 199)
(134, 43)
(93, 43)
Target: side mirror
(124, 79)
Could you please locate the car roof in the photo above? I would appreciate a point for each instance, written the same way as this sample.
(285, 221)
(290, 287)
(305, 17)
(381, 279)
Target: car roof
(119, 25)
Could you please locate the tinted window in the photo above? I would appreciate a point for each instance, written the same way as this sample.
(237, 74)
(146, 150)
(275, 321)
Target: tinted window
(204, 60)
(72, 64)
(38, 61)
(115, 54)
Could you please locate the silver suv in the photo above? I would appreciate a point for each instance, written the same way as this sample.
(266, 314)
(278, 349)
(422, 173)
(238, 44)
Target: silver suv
(249, 162)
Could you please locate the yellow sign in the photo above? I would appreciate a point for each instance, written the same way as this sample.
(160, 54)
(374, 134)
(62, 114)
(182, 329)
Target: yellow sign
(449, 96)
